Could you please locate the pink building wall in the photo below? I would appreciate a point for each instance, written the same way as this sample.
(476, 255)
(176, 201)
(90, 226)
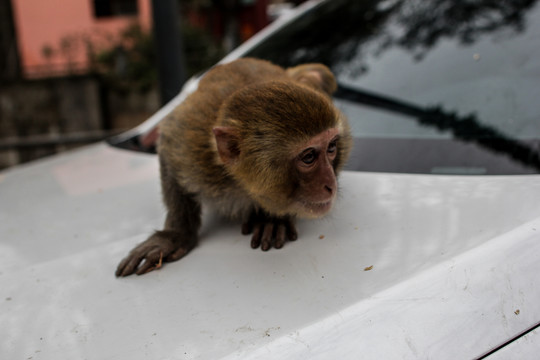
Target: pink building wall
(42, 23)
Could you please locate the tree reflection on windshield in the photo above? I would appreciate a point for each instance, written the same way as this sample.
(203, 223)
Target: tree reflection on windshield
(333, 33)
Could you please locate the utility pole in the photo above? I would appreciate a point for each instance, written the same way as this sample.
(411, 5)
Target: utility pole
(9, 53)
(169, 46)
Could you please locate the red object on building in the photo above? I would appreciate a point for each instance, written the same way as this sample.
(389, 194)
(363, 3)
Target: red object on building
(253, 18)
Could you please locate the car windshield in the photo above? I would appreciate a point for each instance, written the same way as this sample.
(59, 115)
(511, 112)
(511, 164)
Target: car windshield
(437, 86)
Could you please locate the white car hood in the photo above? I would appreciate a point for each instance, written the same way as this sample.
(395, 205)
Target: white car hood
(406, 266)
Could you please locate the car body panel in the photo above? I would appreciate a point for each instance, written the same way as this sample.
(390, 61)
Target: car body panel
(406, 266)
(525, 347)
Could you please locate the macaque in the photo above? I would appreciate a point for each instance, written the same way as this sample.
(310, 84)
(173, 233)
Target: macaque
(256, 142)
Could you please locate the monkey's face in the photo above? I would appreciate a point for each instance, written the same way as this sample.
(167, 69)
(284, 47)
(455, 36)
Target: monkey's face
(302, 183)
(317, 185)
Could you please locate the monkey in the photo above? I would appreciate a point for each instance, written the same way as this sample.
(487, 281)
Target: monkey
(256, 142)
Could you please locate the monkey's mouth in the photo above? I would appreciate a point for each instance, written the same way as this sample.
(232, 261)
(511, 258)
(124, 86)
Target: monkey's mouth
(317, 209)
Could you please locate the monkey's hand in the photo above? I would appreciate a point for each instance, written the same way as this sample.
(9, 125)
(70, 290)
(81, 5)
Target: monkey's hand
(162, 246)
(269, 230)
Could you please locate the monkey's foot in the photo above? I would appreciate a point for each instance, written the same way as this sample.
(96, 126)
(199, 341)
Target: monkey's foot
(269, 231)
(162, 246)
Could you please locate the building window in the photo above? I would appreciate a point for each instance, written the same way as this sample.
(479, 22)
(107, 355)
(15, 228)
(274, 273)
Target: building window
(109, 8)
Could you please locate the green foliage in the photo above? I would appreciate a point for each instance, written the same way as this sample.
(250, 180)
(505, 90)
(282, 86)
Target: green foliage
(200, 50)
(129, 63)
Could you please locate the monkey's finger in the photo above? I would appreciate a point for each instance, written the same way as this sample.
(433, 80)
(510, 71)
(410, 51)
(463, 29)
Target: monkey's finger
(280, 236)
(247, 227)
(180, 253)
(120, 267)
(266, 238)
(256, 237)
(292, 234)
(128, 265)
(152, 261)
(146, 267)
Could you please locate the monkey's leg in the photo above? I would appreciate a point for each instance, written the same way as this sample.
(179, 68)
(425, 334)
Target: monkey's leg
(179, 236)
(269, 230)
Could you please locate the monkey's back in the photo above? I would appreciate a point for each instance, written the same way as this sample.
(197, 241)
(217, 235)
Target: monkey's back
(187, 144)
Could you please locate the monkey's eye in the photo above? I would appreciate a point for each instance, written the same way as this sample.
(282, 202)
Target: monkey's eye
(332, 147)
(309, 157)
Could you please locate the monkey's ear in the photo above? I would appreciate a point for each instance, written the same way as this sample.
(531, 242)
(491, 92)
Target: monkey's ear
(316, 75)
(227, 143)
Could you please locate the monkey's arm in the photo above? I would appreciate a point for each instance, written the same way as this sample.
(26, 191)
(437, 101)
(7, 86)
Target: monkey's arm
(179, 236)
(269, 230)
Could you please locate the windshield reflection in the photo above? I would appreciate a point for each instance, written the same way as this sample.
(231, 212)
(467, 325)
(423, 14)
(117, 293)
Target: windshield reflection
(463, 71)
(335, 32)
(467, 128)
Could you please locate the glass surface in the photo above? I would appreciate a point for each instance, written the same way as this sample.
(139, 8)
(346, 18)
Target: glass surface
(428, 86)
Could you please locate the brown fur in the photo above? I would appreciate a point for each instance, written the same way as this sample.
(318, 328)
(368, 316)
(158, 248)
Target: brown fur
(259, 112)
(317, 76)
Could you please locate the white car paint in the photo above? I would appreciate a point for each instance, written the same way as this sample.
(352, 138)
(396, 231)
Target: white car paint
(405, 267)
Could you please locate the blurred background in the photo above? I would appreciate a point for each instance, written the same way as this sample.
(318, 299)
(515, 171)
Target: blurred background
(75, 72)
